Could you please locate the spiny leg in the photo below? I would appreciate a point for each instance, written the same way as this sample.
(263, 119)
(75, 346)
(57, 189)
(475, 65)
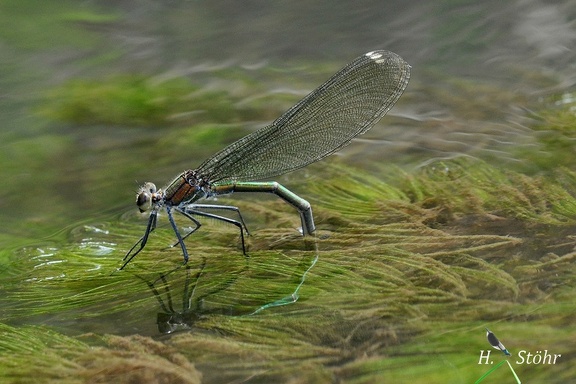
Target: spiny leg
(192, 219)
(143, 240)
(198, 207)
(189, 212)
(178, 236)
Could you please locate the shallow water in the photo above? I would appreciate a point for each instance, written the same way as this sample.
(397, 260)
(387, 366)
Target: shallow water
(455, 213)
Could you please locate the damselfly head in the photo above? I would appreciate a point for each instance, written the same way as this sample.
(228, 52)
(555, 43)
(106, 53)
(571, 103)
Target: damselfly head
(146, 196)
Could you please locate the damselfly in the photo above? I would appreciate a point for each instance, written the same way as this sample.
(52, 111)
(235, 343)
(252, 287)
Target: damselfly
(345, 106)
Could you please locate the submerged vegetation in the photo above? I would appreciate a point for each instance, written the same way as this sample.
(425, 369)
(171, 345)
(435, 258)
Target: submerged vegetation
(406, 269)
(138, 101)
(408, 273)
(556, 133)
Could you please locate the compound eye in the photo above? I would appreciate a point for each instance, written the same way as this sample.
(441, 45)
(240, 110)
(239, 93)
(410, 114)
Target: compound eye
(144, 201)
(150, 187)
(144, 197)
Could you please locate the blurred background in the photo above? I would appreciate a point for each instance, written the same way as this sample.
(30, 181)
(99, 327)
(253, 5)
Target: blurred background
(97, 97)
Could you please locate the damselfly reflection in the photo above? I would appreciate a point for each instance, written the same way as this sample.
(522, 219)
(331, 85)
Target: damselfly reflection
(187, 295)
(185, 280)
(347, 105)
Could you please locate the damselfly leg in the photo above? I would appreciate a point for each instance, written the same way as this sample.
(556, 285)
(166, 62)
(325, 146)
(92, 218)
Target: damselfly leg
(195, 209)
(142, 241)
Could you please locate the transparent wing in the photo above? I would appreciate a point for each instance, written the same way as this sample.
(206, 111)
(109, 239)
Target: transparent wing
(327, 119)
